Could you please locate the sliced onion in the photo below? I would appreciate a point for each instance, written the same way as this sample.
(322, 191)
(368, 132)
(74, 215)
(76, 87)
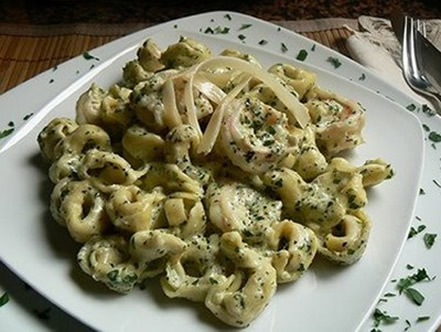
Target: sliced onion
(171, 113)
(214, 126)
(209, 90)
(296, 110)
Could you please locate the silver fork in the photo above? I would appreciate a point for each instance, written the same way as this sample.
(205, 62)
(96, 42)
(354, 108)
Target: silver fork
(412, 68)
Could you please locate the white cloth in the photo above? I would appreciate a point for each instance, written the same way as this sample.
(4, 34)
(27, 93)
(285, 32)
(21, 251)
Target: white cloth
(376, 47)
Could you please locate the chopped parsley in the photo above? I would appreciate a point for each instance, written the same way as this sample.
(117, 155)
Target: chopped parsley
(263, 42)
(404, 286)
(334, 61)
(241, 37)
(435, 137)
(4, 299)
(278, 29)
(409, 267)
(11, 124)
(313, 48)
(411, 107)
(422, 318)
(213, 281)
(217, 30)
(27, 116)
(422, 192)
(415, 296)
(283, 47)
(6, 132)
(175, 26)
(436, 183)
(228, 17)
(408, 325)
(428, 110)
(88, 56)
(55, 68)
(51, 81)
(244, 26)
(382, 317)
(301, 56)
(429, 239)
(362, 77)
(414, 231)
(426, 127)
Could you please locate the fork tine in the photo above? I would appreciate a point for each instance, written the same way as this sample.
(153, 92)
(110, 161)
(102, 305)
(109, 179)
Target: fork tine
(421, 27)
(409, 54)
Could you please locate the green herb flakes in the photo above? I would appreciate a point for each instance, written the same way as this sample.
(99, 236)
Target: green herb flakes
(414, 231)
(51, 81)
(313, 48)
(383, 317)
(6, 132)
(409, 267)
(241, 37)
(88, 56)
(27, 116)
(422, 318)
(334, 61)
(411, 107)
(4, 299)
(426, 127)
(217, 30)
(11, 124)
(429, 239)
(415, 296)
(436, 183)
(427, 110)
(422, 192)
(362, 77)
(244, 26)
(228, 17)
(301, 56)
(283, 48)
(435, 137)
(263, 42)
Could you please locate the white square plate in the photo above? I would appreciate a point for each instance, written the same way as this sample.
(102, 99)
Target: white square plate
(327, 298)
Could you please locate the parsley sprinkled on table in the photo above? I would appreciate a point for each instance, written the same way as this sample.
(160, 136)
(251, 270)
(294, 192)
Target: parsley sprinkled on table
(244, 26)
(4, 299)
(27, 116)
(6, 132)
(283, 47)
(334, 61)
(414, 231)
(435, 137)
(429, 239)
(382, 317)
(88, 56)
(301, 56)
(411, 107)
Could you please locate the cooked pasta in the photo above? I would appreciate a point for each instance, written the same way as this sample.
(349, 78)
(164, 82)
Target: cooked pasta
(220, 177)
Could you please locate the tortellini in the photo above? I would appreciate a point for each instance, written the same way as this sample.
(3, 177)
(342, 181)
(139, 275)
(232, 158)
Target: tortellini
(202, 175)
